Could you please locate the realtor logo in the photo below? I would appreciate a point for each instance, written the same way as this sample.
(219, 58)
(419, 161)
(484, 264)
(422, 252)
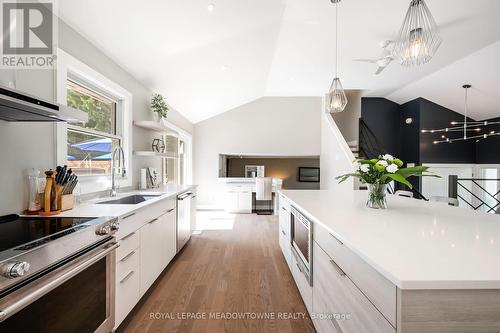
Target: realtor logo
(28, 30)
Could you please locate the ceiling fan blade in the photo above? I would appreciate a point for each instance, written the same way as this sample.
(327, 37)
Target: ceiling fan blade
(371, 61)
(379, 70)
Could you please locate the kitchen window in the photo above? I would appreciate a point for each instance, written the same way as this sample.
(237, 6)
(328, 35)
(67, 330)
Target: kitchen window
(90, 145)
(87, 148)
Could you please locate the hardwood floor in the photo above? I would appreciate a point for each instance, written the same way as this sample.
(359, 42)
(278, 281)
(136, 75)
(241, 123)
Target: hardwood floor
(233, 268)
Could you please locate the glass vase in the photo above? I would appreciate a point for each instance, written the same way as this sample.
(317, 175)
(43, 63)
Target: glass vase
(377, 196)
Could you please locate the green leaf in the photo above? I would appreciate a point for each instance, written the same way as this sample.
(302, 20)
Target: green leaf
(396, 177)
(343, 178)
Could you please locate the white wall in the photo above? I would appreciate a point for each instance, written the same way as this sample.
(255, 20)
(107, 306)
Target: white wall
(286, 126)
(24, 146)
(336, 158)
(348, 120)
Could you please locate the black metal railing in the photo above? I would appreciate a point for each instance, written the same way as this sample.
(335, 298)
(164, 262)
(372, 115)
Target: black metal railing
(369, 145)
(455, 183)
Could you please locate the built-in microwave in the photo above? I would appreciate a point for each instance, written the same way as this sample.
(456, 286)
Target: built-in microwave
(301, 231)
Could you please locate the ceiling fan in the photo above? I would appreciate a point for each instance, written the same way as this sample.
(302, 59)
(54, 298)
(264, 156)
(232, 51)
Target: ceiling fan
(385, 58)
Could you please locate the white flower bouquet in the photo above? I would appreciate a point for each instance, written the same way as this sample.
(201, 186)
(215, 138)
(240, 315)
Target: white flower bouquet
(378, 172)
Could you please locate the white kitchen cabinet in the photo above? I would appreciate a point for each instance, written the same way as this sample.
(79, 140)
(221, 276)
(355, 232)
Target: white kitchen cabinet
(157, 237)
(284, 230)
(127, 294)
(169, 238)
(238, 199)
(302, 282)
(148, 243)
(245, 200)
(336, 294)
(127, 276)
(231, 201)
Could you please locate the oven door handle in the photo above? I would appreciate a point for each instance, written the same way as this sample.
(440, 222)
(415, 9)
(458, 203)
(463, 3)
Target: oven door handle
(46, 284)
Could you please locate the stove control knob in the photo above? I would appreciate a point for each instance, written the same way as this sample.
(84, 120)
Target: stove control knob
(115, 225)
(13, 270)
(103, 231)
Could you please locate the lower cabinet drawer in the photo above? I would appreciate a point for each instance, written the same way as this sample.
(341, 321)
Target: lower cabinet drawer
(127, 294)
(376, 287)
(128, 243)
(128, 263)
(302, 283)
(335, 293)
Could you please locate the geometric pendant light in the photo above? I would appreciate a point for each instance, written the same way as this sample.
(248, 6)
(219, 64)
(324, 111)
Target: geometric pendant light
(336, 98)
(418, 38)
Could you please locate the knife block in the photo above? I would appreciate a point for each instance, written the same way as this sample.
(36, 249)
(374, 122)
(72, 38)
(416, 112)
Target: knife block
(67, 202)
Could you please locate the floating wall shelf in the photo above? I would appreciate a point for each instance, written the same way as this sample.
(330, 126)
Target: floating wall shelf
(149, 153)
(156, 126)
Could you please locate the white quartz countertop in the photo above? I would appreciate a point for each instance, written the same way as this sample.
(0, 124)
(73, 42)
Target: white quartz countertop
(92, 209)
(245, 180)
(415, 244)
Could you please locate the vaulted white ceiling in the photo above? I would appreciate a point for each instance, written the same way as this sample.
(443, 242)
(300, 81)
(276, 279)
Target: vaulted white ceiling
(208, 62)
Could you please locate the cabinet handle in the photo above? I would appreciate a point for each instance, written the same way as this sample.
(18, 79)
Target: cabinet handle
(168, 211)
(283, 232)
(150, 222)
(129, 275)
(129, 215)
(298, 266)
(127, 256)
(194, 196)
(336, 239)
(128, 236)
(337, 268)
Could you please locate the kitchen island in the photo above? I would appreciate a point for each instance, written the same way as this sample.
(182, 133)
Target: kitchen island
(415, 267)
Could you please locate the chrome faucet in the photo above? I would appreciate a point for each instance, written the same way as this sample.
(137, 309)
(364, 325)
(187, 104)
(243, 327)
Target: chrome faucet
(121, 165)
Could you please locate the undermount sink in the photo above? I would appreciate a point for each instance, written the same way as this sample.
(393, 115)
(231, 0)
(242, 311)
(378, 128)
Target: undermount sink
(130, 200)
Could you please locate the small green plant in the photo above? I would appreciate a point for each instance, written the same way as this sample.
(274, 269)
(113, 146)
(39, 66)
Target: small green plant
(159, 105)
(383, 170)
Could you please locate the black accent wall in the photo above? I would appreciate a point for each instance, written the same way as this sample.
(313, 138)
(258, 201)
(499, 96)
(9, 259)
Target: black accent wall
(433, 115)
(409, 139)
(387, 121)
(382, 117)
(488, 150)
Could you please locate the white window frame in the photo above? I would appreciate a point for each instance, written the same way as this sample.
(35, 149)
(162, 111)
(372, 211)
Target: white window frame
(68, 67)
(188, 152)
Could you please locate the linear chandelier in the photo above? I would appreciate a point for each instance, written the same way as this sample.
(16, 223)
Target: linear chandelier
(336, 98)
(478, 128)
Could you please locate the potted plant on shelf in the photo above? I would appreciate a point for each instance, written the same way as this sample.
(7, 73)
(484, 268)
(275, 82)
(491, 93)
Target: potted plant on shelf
(159, 107)
(379, 172)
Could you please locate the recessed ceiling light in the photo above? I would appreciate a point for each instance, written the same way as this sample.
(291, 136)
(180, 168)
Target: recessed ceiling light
(224, 67)
(211, 7)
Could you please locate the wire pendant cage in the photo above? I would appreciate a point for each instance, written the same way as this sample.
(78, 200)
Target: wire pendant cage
(419, 37)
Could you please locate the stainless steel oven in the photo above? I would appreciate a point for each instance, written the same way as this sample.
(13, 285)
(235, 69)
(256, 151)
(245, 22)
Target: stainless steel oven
(62, 282)
(301, 231)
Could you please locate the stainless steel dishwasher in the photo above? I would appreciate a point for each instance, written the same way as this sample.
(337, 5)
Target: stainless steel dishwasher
(183, 219)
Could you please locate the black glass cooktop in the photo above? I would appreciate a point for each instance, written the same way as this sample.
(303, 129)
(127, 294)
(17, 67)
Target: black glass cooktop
(24, 233)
